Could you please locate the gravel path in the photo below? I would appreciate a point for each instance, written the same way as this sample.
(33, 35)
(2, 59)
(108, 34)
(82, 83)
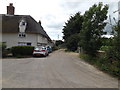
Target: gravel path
(58, 70)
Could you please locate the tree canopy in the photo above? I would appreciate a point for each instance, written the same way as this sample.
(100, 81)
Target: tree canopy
(71, 29)
(72, 26)
(92, 28)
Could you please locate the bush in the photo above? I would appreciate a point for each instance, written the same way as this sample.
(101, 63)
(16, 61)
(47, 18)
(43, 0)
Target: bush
(54, 48)
(22, 50)
(104, 63)
(88, 58)
(105, 48)
(72, 42)
(3, 49)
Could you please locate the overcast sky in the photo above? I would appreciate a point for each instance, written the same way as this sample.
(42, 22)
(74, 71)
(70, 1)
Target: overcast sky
(54, 13)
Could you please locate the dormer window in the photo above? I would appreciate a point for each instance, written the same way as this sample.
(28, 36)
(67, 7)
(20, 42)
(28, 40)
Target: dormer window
(22, 28)
(23, 23)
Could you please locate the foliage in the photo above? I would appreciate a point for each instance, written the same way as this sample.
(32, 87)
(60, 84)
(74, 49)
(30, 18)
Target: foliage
(105, 48)
(54, 48)
(59, 42)
(113, 53)
(72, 26)
(116, 41)
(103, 63)
(3, 46)
(3, 49)
(71, 30)
(72, 42)
(88, 58)
(92, 29)
(107, 41)
(22, 50)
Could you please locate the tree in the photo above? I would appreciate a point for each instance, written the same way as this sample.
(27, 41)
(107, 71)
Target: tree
(72, 26)
(92, 29)
(72, 42)
(106, 41)
(59, 42)
(116, 42)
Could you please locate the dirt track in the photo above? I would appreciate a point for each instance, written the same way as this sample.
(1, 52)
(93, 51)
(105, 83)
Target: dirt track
(58, 70)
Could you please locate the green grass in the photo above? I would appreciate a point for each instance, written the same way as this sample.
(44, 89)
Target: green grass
(103, 63)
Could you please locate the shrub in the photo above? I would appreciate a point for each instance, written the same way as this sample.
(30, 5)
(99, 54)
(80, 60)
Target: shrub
(72, 42)
(3, 49)
(105, 48)
(108, 65)
(22, 50)
(54, 48)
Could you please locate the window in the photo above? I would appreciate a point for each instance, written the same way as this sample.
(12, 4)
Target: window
(21, 35)
(39, 44)
(28, 43)
(23, 23)
(24, 43)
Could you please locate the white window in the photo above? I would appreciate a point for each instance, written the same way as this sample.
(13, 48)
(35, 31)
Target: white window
(24, 43)
(22, 35)
(39, 44)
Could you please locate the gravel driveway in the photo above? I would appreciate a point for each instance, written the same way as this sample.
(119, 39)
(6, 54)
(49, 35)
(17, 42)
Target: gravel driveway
(58, 70)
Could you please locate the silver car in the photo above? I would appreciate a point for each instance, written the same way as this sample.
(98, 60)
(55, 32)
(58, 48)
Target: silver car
(40, 51)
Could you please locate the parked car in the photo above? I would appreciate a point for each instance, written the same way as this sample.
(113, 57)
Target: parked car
(49, 49)
(40, 51)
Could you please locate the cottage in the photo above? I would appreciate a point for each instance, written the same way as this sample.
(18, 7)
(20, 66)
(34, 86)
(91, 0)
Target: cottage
(22, 30)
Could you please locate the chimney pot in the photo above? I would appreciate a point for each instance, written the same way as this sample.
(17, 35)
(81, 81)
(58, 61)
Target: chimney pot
(11, 4)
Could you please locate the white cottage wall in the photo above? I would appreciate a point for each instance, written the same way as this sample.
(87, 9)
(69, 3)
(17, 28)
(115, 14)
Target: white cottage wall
(42, 39)
(12, 39)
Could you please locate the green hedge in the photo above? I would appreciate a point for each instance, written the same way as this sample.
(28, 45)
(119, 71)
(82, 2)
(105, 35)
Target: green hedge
(103, 63)
(22, 50)
(3, 49)
(105, 48)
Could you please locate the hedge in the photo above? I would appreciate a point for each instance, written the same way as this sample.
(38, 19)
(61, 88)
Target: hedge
(105, 48)
(3, 51)
(22, 50)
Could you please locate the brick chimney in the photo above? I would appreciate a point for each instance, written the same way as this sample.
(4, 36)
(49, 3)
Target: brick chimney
(10, 9)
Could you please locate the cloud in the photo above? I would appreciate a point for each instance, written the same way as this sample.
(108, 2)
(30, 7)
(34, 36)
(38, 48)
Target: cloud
(70, 5)
(56, 25)
(55, 34)
(113, 6)
(108, 29)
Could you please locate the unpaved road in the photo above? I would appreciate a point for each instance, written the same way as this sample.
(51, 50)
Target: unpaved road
(59, 70)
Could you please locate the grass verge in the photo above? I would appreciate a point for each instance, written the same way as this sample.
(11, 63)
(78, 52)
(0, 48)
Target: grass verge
(103, 63)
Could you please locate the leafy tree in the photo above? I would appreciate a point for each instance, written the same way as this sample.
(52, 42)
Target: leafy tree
(92, 29)
(72, 42)
(106, 41)
(116, 42)
(72, 26)
(59, 42)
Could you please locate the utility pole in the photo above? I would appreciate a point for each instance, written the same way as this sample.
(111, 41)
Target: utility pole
(58, 36)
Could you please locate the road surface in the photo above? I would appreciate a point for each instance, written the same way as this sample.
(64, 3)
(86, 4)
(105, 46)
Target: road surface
(58, 70)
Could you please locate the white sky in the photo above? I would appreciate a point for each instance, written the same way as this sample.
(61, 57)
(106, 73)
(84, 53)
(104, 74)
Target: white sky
(54, 13)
